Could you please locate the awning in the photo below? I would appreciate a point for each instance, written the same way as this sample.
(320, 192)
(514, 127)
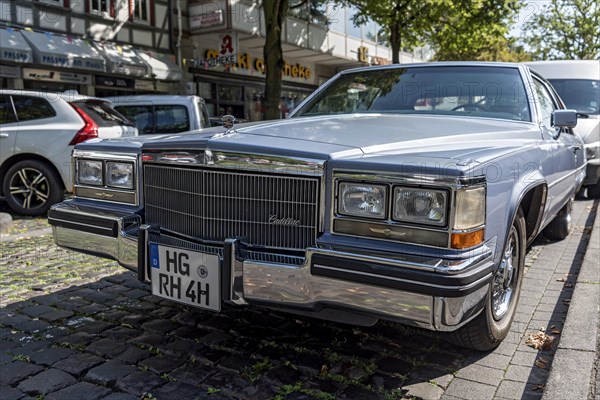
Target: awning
(163, 68)
(123, 60)
(64, 51)
(13, 47)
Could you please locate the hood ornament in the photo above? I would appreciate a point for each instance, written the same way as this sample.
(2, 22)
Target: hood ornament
(227, 121)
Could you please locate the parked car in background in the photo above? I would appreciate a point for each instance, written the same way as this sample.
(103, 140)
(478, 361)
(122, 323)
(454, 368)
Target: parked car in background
(578, 84)
(37, 133)
(163, 113)
(406, 193)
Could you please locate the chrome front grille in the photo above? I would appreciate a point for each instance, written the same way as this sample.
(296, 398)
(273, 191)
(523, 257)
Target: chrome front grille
(262, 210)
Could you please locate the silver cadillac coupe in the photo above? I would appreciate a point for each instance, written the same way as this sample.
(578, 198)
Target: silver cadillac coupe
(406, 193)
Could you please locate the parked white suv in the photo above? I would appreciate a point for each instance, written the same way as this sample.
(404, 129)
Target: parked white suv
(163, 113)
(37, 133)
(578, 84)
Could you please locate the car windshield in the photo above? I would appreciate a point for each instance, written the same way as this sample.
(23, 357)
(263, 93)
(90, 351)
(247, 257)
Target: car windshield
(482, 91)
(580, 94)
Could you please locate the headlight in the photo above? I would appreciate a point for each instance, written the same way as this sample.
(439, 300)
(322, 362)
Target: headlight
(119, 174)
(362, 200)
(89, 172)
(422, 206)
(470, 208)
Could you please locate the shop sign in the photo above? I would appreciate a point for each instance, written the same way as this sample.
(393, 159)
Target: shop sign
(60, 60)
(7, 71)
(15, 55)
(117, 83)
(226, 55)
(57, 76)
(245, 62)
(206, 20)
(363, 54)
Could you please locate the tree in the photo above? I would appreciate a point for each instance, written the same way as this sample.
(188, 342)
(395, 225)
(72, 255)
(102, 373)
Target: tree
(565, 29)
(455, 29)
(403, 22)
(275, 12)
(476, 30)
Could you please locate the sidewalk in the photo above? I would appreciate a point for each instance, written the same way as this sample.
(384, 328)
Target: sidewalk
(574, 372)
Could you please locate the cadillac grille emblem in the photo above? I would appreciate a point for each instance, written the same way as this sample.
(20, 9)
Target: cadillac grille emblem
(287, 221)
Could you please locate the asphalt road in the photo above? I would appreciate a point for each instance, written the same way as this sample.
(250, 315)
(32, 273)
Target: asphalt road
(74, 326)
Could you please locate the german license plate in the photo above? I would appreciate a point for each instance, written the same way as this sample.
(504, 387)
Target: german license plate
(185, 276)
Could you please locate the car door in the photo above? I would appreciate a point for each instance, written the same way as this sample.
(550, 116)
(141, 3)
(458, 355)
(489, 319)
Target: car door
(566, 156)
(8, 128)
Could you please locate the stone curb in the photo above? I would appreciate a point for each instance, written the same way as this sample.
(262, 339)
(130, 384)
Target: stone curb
(571, 375)
(5, 222)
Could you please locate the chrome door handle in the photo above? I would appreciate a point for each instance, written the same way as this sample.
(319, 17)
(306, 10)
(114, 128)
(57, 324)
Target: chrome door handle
(3, 135)
(575, 148)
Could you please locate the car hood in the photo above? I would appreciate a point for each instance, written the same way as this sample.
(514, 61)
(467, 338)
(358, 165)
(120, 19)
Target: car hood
(360, 136)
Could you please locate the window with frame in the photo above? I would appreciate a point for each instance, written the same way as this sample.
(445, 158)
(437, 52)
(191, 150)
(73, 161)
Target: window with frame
(29, 108)
(99, 6)
(7, 115)
(141, 10)
(546, 104)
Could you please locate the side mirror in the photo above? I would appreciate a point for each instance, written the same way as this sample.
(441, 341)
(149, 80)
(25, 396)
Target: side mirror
(564, 118)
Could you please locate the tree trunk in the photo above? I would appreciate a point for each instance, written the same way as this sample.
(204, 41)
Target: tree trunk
(395, 41)
(275, 12)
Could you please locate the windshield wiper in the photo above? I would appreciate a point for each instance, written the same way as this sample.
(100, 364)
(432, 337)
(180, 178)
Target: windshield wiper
(582, 115)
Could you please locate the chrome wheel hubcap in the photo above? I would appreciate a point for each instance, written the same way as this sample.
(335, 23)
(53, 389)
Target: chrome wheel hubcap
(29, 188)
(505, 279)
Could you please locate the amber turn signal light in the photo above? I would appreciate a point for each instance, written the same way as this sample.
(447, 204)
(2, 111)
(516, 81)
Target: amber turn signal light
(464, 240)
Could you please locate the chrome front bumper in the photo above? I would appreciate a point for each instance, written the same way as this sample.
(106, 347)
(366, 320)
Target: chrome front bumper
(334, 284)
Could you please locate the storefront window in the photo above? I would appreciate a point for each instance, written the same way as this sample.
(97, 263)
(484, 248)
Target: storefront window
(245, 102)
(254, 103)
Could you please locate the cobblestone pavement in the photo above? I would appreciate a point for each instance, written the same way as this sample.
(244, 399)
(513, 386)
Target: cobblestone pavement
(75, 326)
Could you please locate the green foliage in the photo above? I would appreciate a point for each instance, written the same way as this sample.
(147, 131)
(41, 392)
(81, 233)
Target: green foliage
(565, 29)
(455, 29)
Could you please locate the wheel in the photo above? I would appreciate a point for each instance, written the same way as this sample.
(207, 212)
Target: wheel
(31, 187)
(593, 192)
(489, 328)
(560, 227)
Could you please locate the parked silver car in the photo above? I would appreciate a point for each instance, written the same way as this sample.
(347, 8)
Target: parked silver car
(406, 192)
(37, 133)
(156, 113)
(578, 84)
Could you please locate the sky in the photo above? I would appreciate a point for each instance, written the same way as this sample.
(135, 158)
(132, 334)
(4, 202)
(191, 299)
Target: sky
(531, 8)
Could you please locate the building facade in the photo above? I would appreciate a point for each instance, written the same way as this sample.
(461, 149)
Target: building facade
(212, 48)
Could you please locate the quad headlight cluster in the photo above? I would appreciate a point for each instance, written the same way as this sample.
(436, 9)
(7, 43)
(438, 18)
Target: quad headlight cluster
(432, 216)
(416, 205)
(111, 174)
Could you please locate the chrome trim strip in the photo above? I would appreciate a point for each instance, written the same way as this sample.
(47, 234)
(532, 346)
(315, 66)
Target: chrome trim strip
(568, 176)
(101, 155)
(391, 278)
(261, 163)
(102, 228)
